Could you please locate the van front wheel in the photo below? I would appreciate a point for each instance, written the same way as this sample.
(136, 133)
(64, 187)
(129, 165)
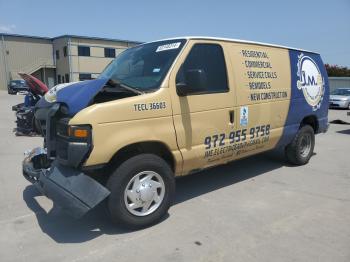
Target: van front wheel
(142, 190)
(300, 150)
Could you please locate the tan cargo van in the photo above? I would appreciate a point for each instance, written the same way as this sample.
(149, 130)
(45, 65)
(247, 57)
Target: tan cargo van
(169, 108)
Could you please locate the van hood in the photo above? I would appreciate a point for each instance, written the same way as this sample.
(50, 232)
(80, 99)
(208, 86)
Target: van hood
(75, 96)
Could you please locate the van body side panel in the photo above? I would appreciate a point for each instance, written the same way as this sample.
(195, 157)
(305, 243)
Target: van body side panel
(271, 89)
(127, 121)
(259, 96)
(310, 93)
(262, 87)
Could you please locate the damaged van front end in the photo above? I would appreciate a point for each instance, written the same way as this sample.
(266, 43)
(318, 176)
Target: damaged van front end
(73, 191)
(56, 169)
(91, 128)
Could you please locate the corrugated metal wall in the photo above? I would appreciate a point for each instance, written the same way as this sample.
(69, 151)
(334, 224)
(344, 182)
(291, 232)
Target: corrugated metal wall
(23, 54)
(336, 82)
(3, 81)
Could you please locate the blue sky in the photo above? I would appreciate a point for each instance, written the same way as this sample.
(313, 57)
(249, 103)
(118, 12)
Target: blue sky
(322, 26)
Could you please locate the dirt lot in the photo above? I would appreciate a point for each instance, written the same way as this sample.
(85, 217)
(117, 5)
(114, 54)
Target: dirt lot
(256, 209)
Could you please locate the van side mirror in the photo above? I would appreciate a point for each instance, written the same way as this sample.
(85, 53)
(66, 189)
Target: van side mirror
(195, 83)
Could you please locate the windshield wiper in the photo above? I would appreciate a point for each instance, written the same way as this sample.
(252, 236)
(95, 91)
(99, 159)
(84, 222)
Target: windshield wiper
(114, 82)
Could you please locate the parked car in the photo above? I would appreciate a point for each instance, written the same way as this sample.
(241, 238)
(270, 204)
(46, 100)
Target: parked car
(170, 108)
(340, 98)
(16, 86)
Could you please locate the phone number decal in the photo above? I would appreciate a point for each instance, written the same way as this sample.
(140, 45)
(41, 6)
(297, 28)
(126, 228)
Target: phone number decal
(236, 142)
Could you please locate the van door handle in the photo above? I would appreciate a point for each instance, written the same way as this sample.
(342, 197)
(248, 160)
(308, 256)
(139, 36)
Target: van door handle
(232, 116)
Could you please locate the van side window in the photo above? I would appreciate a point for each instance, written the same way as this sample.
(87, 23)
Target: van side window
(210, 59)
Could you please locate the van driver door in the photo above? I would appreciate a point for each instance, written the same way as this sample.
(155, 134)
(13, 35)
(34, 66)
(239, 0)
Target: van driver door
(203, 105)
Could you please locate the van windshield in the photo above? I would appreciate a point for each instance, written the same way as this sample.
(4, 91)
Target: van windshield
(144, 67)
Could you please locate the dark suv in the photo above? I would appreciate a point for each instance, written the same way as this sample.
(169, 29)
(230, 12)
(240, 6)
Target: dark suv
(16, 86)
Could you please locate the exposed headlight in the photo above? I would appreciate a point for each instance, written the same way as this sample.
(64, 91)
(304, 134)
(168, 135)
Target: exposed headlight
(64, 109)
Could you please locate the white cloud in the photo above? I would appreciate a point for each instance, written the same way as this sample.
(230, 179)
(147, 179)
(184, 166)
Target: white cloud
(7, 28)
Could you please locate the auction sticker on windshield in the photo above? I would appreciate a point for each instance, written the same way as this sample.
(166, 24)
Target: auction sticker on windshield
(168, 46)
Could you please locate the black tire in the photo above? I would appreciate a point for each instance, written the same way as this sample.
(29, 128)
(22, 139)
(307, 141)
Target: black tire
(120, 178)
(294, 151)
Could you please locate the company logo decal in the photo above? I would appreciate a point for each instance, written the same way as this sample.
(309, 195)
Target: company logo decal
(243, 116)
(310, 81)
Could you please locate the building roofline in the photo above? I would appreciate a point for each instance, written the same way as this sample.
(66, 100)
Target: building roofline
(97, 38)
(25, 36)
(71, 36)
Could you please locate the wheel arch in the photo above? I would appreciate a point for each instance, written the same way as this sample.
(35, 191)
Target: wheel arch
(312, 121)
(157, 148)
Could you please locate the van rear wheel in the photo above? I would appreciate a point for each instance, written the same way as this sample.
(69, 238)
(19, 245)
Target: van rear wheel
(300, 150)
(142, 189)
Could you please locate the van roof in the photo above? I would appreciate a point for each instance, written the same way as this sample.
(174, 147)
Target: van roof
(235, 41)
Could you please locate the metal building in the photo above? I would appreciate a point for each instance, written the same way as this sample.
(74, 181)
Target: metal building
(336, 82)
(56, 60)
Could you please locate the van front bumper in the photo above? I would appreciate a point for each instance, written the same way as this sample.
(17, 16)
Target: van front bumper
(69, 188)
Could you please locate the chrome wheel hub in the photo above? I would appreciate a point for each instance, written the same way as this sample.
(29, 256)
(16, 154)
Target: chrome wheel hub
(305, 145)
(144, 193)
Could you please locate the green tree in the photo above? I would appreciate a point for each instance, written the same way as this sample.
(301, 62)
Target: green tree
(335, 70)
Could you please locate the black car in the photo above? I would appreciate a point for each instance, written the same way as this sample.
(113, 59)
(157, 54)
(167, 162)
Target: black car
(16, 86)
